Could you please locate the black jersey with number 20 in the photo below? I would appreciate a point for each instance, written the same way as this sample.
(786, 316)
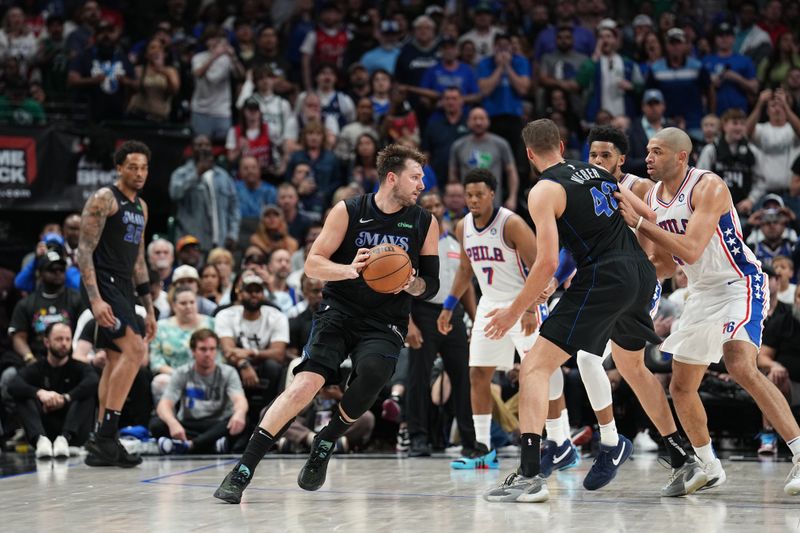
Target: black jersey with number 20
(591, 225)
(118, 248)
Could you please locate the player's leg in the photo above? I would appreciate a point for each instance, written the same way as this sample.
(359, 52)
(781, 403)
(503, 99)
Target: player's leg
(740, 361)
(453, 350)
(558, 452)
(598, 389)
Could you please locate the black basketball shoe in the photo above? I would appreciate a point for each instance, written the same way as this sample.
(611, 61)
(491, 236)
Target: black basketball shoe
(312, 475)
(109, 452)
(232, 487)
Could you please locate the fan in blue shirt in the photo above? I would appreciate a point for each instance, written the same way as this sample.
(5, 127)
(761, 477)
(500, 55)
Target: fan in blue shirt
(253, 193)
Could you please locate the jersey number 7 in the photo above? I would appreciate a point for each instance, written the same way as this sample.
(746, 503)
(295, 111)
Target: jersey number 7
(489, 271)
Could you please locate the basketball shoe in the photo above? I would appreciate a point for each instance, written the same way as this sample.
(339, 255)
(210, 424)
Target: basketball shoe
(792, 487)
(232, 487)
(606, 464)
(686, 479)
(555, 457)
(715, 474)
(478, 459)
(312, 475)
(109, 452)
(768, 443)
(518, 488)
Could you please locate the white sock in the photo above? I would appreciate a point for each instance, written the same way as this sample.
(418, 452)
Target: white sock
(555, 430)
(794, 445)
(705, 453)
(483, 429)
(608, 434)
(565, 423)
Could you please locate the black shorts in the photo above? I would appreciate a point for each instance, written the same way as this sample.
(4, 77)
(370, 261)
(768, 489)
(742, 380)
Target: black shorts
(120, 294)
(335, 335)
(609, 299)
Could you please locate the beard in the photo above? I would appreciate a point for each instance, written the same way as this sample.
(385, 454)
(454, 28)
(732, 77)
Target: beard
(163, 264)
(61, 354)
(251, 305)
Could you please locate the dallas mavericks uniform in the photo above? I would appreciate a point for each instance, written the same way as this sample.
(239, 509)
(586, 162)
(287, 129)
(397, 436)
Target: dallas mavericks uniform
(501, 275)
(728, 294)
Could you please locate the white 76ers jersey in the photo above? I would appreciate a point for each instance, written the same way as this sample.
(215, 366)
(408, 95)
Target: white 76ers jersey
(726, 258)
(500, 271)
(627, 181)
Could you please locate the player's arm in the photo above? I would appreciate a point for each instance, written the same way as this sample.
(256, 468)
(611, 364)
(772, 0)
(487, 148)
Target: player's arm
(642, 187)
(141, 278)
(425, 284)
(98, 208)
(318, 263)
(637, 204)
(461, 283)
(520, 237)
(711, 200)
(546, 201)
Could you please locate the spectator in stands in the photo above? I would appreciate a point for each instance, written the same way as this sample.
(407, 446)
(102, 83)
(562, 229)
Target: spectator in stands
(564, 16)
(297, 221)
(81, 37)
(222, 259)
(170, 348)
(684, 82)
(301, 315)
(17, 108)
(778, 139)
(751, 40)
(210, 283)
(358, 85)
(335, 104)
(55, 396)
(733, 158)
(186, 276)
(100, 74)
(791, 198)
(773, 70)
(482, 149)
(212, 70)
(156, 84)
(311, 201)
(650, 51)
(161, 258)
(770, 240)
(17, 39)
(270, 59)
(252, 191)
(279, 267)
(559, 69)
(245, 40)
(273, 231)
(784, 272)
(253, 337)
(483, 33)
(299, 257)
(733, 76)
(400, 119)
(364, 123)
(71, 230)
(311, 111)
(323, 162)
(275, 110)
(416, 57)
(326, 44)
(384, 56)
(444, 128)
(447, 73)
(363, 41)
(611, 80)
(212, 408)
(158, 295)
(772, 20)
(52, 59)
(504, 80)
(250, 137)
(205, 195)
(381, 83)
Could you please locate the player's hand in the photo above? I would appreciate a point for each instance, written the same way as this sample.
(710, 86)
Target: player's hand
(357, 265)
(502, 320)
(529, 323)
(567, 283)
(777, 374)
(408, 284)
(626, 210)
(176, 431)
(150, 327)
(443, 322)
(103, 314)
(414, 336)
(236, 424)
(662, 326)
(547, 292)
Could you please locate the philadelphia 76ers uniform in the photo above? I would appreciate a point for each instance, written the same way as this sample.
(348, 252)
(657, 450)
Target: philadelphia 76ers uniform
(501, 275)
(728, 293)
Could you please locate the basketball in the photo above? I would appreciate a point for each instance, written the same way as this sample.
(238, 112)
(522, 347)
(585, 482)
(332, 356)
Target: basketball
(387, 268)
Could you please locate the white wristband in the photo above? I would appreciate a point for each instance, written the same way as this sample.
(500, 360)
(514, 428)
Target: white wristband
(639, 223)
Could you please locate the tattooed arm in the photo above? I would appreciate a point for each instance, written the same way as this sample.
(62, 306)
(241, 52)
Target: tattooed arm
(93, 220)
(141, 276)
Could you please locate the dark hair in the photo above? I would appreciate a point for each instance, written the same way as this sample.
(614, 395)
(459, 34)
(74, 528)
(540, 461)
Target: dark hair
(326, 66)
(200, 335)
(393, 159)
(481, 175)
(541, 135)
(219, 276)
(51, 326)
(432, 192)
(609, 134)
(130, 147)
(733, 113)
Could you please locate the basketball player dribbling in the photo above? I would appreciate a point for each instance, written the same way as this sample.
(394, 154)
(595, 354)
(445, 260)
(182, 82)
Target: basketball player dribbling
(497, 247)
(112, 265)
(690, 215)
(353, 320)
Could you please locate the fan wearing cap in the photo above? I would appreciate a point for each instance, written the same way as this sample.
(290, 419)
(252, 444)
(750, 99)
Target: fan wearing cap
(770, 230)
(275, 110)
(684, 82)
(25, 280)
(186, 276)
(250, 138)
(206, 200)
(385, 55)
(325, 44)
(733, 75)
(188, 251)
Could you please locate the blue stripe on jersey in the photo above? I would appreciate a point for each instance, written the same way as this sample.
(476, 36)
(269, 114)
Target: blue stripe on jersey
(585, 299)
(564, 219)
(735, 246)
(544, 312)
(655, 300)
(754, 326)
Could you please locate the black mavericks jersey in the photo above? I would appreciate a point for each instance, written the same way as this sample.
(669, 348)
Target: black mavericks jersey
(591, 225)
(368, 226)
(118, 247)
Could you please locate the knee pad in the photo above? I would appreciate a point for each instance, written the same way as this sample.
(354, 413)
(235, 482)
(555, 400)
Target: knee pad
(595, 380)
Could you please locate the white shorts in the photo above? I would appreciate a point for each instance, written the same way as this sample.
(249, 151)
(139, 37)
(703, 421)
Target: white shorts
(712, 317)
(500, 353)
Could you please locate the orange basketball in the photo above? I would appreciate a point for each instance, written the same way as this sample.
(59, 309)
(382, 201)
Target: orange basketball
(387, 268)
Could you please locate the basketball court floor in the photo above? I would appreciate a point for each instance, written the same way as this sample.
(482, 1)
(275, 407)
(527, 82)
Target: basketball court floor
(379, 493)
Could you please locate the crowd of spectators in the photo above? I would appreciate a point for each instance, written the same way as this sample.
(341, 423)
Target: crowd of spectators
(289, 104)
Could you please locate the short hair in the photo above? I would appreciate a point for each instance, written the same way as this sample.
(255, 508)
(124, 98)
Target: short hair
(432, 192)
(326, 66)
(52, 325)
(130, 147)
(219, 253)
(158, 241)
(783, 258)
(481, 175)
(609, 134)
(393, 159)
(287, 185)
(541, 135)
(173, 294)
(312, 126)
(676, 139)
(200, 335)
(733, 113)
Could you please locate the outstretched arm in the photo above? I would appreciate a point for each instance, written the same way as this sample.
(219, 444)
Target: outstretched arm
(93, 220)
